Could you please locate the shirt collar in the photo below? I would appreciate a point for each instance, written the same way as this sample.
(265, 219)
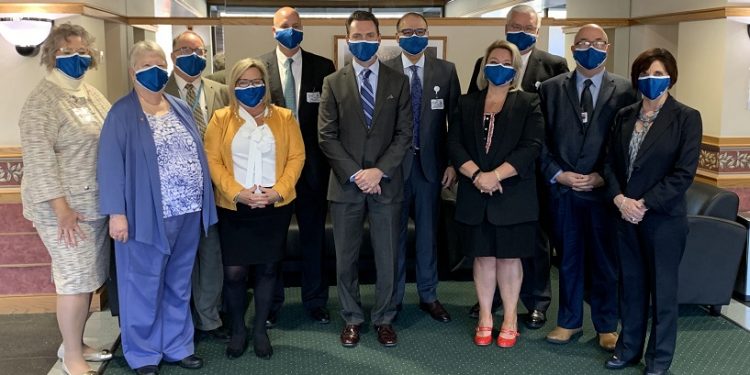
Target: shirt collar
(281, 57)
(596, 79)
(407, 63)
(181, 82)
(374, 68)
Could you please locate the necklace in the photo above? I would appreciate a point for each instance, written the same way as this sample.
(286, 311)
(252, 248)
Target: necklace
(647, 119)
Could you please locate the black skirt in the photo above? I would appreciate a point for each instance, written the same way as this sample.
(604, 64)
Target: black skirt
(499, 241)
(253, 236)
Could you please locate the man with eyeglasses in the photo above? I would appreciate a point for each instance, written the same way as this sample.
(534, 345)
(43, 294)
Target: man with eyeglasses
(579, 108)
(522, 29)
(204, 97)
(296, 79)
(434, 94)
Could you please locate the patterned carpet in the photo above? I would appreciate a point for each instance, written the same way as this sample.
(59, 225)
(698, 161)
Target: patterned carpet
(706, 345)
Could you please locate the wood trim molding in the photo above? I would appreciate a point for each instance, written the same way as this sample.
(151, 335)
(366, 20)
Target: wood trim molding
(726, 141)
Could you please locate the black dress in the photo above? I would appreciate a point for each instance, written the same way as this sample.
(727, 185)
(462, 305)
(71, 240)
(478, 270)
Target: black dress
(253, 236)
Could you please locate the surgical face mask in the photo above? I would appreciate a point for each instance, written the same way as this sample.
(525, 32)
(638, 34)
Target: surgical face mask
(653, 87)
(289, 37)
(73, 66)
(250, 96)
(590, 58)
(413, 44)
(191, 64)
(363, 50)
(499, 74)
(522, 40)
(152, 78)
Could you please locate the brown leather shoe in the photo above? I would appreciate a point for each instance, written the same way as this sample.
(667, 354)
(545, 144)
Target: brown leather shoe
(386, 335)
(561, 335)
(608, 341)
(350, 336)
(436, 311)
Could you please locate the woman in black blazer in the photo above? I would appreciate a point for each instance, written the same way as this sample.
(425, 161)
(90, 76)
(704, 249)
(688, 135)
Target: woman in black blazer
(493, 141)
(652, 159)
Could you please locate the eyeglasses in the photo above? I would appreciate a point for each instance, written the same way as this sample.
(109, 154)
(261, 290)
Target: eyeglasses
(70, 51)
(598, 44)
(188, 51)
(531, 29)
(411, 32)
(244, 83)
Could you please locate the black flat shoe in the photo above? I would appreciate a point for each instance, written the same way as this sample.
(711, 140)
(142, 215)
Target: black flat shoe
(191, 362)
(147, 370)
(236, 348)
(262, 346)
(615, 363)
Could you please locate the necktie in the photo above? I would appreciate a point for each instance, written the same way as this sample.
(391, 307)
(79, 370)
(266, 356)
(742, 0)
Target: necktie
(587, 102)
(368, 97)
(416, 103)
(200, 121)
(290, 96)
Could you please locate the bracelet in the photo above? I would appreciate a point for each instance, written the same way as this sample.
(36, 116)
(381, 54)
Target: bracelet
(497, 175)
(475, 175)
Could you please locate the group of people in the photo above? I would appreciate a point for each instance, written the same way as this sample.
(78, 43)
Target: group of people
(196, 183)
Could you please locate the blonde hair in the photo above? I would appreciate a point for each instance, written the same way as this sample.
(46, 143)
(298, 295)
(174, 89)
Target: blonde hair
(515, 56)
(61, 33)
(237, 71)
(143, 47)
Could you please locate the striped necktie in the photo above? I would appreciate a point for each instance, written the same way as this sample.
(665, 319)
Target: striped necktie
(200, 121)
(290, 96)
(368, 97)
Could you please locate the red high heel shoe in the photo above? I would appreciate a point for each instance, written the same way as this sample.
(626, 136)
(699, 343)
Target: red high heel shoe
(483, 340)
(507, 343)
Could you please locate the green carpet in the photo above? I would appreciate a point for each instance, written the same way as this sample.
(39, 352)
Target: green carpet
(705, 345)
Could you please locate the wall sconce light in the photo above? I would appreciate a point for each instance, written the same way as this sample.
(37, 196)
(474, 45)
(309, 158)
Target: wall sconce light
(26, 33)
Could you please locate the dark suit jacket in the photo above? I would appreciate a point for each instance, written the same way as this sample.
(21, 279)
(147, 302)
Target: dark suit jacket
(666, 162)
(569, 144)
(541, 67)
(517, 139)
(216, 94)
(314, 69)
(350, 146)
(433, 129)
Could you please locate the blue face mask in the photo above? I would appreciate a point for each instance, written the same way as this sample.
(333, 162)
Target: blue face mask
(73, 66)
(413, 44)
(653, 87)
(289, 38)
(590, 58)
(191, 64)
(521, 39)
(250, 96)
(152, 78)
(363, 50)
(499, 74)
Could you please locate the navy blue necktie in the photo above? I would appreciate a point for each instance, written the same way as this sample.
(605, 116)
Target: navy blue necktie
(587, 102)
(368, 97)
(416, 103)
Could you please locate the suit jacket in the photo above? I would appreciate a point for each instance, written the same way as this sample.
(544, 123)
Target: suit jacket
(314, 69)
(350, 146)
(666, 162)
(218, 76)
(517, 139)
(571, 145)
(541, 67)
(215, 92)
(433, 129)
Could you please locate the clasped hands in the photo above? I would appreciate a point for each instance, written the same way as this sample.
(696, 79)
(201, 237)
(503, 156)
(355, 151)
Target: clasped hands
(580, 182)
(368, 180)
(488, 182)
(631, 210)
(258, 196)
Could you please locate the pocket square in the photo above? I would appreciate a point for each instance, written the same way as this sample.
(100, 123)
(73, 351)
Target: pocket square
(389, 97)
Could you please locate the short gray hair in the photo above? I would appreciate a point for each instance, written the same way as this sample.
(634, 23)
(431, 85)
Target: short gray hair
(57, 36)
(187, 32)
(523, 8)
(141, 48)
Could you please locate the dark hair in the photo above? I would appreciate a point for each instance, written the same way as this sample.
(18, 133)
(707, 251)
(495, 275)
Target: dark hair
(415, 14)
(646, 58)
(362, 15)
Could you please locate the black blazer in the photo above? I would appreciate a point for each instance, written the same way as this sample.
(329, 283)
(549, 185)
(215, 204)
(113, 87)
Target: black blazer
(350, 146)
(541, 67)
(666, 162)
(433, 127)
(517, 139)
(314, 69)
(570, 145)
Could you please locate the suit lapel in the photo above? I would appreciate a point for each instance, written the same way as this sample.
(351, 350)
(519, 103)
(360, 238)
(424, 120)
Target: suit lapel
(529, 79)
(350, 78)
(605, 93)
(478, 127)
(662, 122)
(274, 80)
(572, 92)
(429, 78)
(628, 123)
(210, 95)
(502, 121)
(171, 87)
(380, 96)
(308, 70)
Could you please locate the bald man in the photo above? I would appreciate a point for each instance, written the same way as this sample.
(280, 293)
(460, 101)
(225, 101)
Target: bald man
(295, 78)
(579, 108)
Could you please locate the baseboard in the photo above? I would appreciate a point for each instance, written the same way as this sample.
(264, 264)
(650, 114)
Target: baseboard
(44, 303)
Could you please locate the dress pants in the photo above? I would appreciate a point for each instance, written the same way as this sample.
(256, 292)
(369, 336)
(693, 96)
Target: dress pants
(154, 291)
(208, 277)
(583, 236)
(348, 227)
(649, 255)
(423, 197)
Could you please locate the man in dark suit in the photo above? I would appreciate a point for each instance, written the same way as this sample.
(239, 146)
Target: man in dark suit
(298, 88)
(522, 29)
(365, 129)
(434, 95)
(579, 109)
(204, 96)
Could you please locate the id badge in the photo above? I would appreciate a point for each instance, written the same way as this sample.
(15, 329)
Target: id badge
(313, 97)
(437, 104)
(84, 115)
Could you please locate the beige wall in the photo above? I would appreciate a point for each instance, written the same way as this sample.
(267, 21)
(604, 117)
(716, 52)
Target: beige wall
(598, 8)
(640, 8)
(735, 112)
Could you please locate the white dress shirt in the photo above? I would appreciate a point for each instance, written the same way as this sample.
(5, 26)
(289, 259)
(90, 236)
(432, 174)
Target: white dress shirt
(254, 153)
(375, 69)
(296, 71)
(524, 63)
(196, 87)
(407, 68)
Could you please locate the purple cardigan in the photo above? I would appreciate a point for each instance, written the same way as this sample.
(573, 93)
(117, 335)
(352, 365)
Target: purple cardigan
(128, 174)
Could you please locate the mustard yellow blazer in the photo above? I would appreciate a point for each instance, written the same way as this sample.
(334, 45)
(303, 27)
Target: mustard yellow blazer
(290, 154)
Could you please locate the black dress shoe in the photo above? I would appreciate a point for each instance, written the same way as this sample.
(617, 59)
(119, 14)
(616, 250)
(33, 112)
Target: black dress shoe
(147, 370)
(474, 310)
(236, 348)
(615, 363)
(386, 335)
(654, 372)
(272, 319)
(535, 320)
(320, 315)
(191, 362)
(221, 334)
(436, 311)
(262, 346)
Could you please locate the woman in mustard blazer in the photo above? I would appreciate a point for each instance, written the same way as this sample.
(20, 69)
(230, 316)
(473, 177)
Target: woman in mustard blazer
(255, 155)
